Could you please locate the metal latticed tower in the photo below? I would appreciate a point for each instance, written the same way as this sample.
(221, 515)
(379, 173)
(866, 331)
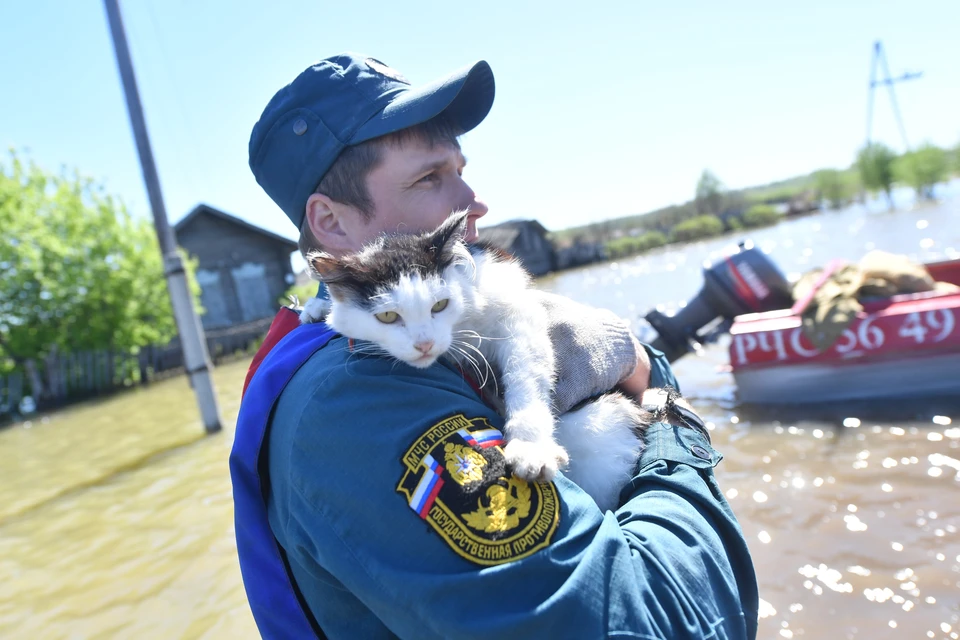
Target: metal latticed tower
(880, 58)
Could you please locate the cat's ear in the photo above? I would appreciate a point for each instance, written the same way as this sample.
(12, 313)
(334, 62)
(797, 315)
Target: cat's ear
(446, 242)
(448, 246)
(452, 230)
(325, 267)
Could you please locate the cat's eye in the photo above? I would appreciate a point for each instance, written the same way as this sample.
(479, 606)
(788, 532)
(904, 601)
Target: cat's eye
(387, 317)
(441, 305)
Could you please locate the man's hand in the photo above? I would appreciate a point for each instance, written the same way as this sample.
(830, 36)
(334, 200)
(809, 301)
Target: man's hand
(637, 382)
(595, 352)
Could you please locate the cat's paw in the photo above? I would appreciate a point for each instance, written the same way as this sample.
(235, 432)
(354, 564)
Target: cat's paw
(314, 310)
(533, 422)
(538, 460)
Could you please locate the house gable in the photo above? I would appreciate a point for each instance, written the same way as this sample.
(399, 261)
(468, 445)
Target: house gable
(242, 270)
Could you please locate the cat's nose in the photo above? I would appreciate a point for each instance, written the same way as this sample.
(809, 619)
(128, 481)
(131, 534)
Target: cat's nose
(423, 346)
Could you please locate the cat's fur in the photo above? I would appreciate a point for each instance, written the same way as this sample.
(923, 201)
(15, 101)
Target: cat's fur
(488, 322)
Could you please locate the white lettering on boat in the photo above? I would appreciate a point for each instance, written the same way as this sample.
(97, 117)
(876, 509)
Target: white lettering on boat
(870, 334)
(917, 326)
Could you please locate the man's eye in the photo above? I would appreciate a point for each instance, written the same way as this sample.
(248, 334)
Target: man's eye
(387, 317)
(430, 177)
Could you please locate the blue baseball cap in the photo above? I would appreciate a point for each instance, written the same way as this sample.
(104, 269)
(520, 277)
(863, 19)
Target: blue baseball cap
(345, 100)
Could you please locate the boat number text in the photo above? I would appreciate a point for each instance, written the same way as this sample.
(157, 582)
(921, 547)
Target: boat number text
(917, 328)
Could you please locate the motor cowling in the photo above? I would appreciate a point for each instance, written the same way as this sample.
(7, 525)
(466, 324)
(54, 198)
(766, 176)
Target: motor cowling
(744, 282)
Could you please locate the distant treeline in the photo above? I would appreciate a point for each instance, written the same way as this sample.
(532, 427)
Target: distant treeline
(715, 210)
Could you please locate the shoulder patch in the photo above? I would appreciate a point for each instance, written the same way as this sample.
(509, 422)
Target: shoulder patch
(456, 479)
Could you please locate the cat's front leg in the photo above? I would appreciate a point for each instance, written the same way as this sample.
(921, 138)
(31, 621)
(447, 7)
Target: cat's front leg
(531, 452)
(525, 358)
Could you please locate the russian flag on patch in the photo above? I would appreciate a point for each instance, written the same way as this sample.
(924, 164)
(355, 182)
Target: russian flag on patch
(428, 487)
(483, 439)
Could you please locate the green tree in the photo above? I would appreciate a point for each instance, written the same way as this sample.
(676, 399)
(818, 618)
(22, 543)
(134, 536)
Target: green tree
(696, 228)
(77, 271)
(709, 195)
(875, 162)
(832, 186)
(922, 169)
(760, 215)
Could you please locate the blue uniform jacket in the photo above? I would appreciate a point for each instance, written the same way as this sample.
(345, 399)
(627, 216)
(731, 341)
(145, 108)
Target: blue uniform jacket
(388, 495)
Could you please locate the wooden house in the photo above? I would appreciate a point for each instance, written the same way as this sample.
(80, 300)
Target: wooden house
(526, 240)
(243, 270)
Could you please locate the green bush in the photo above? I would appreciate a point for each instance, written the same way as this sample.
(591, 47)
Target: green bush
(760, 215)
(696, 228)
(302, 292)
(631, 245)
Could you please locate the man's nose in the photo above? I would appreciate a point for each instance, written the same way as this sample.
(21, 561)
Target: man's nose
(470, 201)
(423, 346)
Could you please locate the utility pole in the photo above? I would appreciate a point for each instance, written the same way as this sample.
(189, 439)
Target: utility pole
(192, 341)
(879, 57)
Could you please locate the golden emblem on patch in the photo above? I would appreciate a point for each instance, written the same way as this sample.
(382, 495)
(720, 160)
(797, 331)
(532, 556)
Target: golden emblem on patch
(456, 479)
(384, 70)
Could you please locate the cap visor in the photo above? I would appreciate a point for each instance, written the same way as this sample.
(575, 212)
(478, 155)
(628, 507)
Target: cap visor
(465, 97)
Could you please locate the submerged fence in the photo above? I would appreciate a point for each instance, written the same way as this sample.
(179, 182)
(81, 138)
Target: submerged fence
(71, 377)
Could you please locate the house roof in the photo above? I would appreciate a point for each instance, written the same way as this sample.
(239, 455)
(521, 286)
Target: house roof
(502, 237)
(504, 234)
(203, 209)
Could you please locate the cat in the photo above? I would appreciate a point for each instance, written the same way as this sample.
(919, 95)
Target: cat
(417, 297)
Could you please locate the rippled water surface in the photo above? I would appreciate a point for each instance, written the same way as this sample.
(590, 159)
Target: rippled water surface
(116, 516)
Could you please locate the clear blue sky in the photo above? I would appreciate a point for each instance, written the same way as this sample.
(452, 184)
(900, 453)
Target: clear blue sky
(603, 109)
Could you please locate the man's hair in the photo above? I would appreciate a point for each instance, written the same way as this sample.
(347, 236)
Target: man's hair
(346, 180)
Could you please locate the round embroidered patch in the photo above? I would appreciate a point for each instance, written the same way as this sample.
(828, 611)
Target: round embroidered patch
(457, 481)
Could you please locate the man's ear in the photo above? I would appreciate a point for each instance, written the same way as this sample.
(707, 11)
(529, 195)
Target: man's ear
(324, 217)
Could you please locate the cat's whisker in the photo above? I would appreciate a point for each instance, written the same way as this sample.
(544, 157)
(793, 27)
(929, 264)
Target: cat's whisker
(474, 334)
(466, 355)
(481, 377)
(365, 348)
(475, 349)
(486, 363)
(472, 360)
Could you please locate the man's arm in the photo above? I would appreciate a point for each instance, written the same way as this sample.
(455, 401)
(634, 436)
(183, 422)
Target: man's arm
(595, 351)
(359, 509)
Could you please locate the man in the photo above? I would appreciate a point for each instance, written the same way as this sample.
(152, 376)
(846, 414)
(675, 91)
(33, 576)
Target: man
(371, 498)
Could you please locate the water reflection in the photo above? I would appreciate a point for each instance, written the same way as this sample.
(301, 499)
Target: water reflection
(116, 518)
(835, 499)
(117, 521)
(854, 523)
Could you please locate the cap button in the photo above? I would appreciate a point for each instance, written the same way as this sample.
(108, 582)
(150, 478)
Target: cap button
(299, 126)
(700, 452)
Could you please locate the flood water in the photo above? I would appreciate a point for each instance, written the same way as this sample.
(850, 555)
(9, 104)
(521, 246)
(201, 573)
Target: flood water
(116, 516)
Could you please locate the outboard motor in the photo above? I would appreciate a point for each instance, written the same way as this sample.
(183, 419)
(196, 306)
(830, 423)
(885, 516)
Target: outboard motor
(745, 282)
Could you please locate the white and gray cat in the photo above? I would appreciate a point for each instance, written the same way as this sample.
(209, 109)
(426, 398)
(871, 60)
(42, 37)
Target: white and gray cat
(420, 297)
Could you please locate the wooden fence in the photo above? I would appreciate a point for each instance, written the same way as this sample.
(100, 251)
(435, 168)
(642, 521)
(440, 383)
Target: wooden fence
(72, 377)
